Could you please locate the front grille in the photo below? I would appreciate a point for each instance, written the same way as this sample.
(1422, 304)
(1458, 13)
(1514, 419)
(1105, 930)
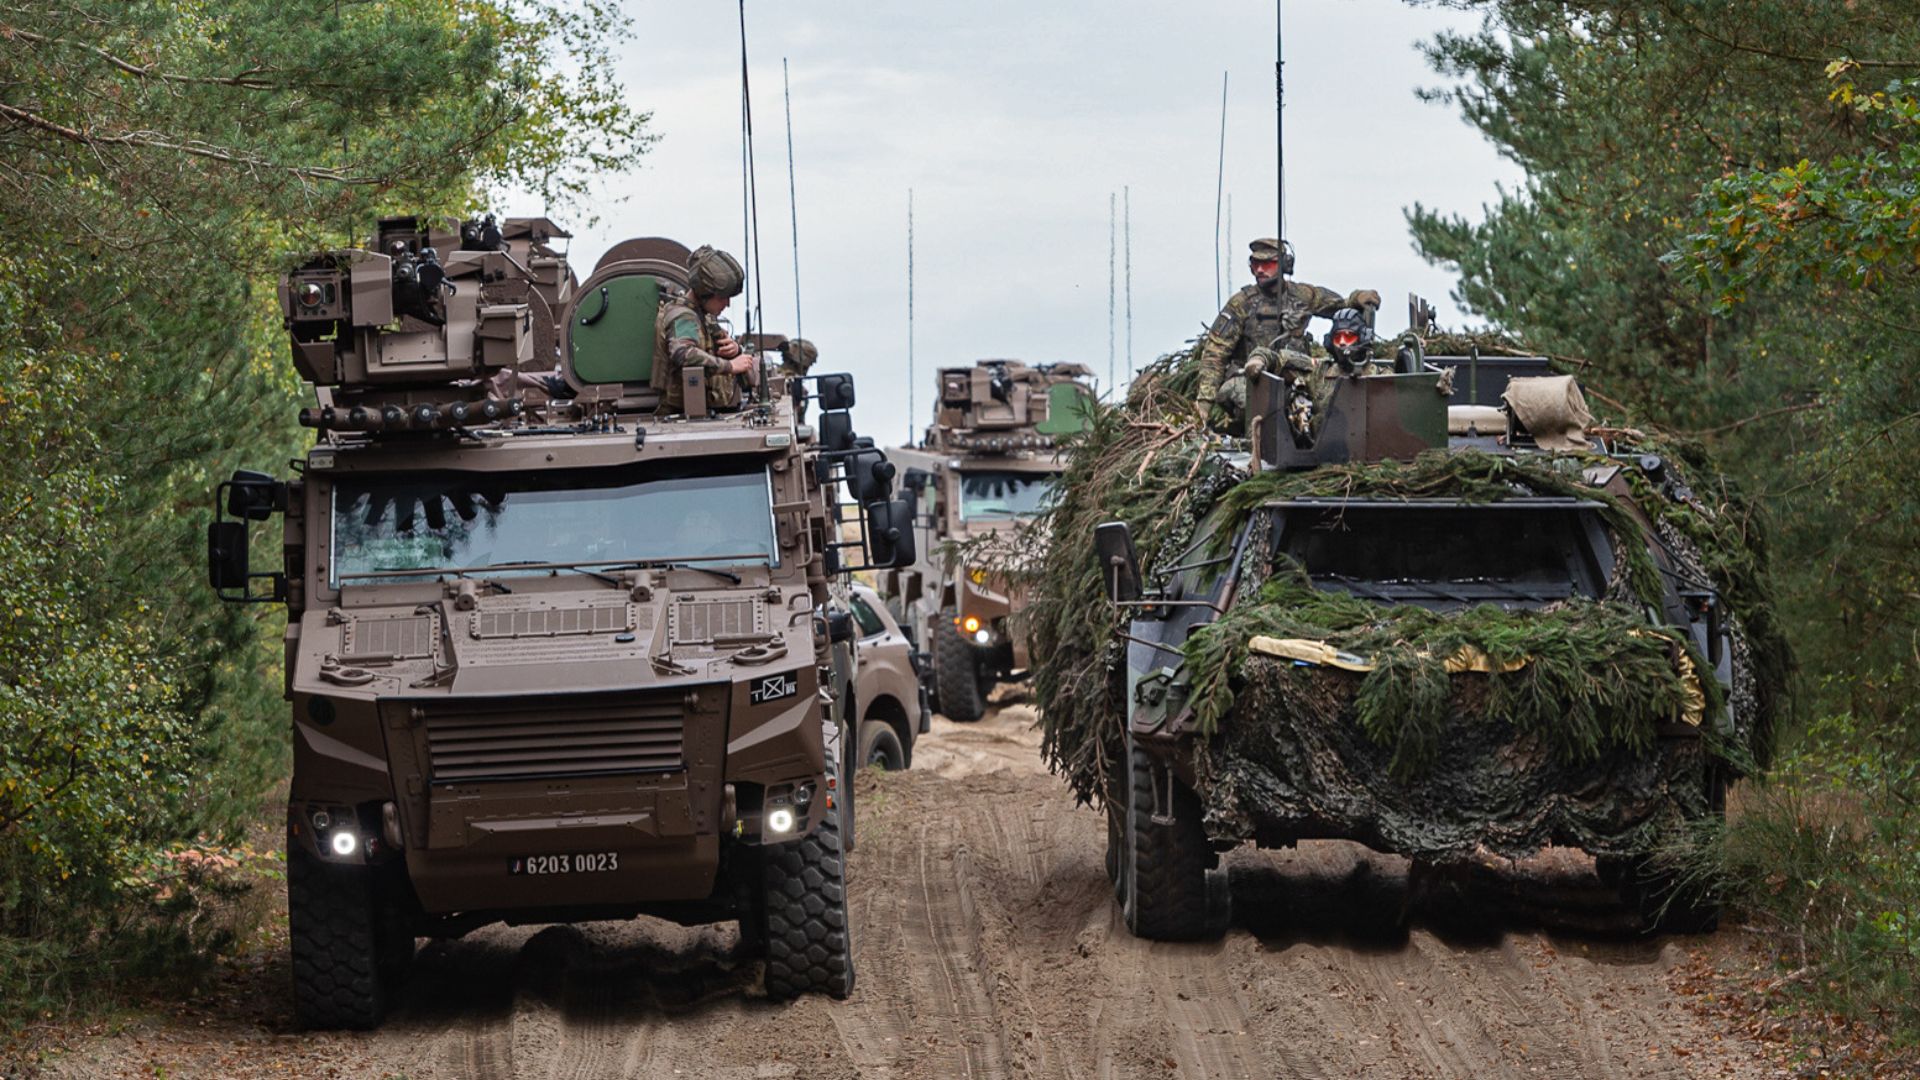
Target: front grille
(697, 621)
(407, 637)
(552, 622)
(513, 741)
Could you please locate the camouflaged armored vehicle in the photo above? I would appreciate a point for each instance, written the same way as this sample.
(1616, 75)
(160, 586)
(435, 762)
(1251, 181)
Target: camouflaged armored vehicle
(989, 460)
(551, 656)
(1447, 624)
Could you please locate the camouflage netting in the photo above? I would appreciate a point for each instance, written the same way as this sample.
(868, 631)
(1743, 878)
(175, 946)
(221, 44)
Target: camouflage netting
(1404, 756)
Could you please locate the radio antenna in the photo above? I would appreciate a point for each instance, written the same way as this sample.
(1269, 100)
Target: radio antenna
(1126, 210)
(793, 200)
(1219, 188)
(1280, 110)
(751, 197)
(910, 379)
(1113, 237)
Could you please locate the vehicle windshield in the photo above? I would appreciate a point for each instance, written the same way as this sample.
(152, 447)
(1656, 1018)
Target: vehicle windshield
(1003, 494)
(440, 521)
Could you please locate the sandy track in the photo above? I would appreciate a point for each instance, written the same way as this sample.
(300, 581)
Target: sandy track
(988, 946)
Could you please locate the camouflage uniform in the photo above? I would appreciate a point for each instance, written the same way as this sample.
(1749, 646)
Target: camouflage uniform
(797, 357)
(1274, 314)
(681, 337)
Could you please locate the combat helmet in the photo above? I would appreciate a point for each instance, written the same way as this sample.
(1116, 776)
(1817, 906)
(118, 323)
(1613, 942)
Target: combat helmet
(1349, 340)
(712, 272)
(800, 355)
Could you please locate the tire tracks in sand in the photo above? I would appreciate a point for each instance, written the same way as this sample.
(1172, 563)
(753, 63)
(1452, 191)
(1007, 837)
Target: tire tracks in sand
(988, 946)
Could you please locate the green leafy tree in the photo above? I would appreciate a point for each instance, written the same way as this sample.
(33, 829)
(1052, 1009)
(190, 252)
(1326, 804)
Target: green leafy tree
(1719, 238)
(1720, 226)
(159, 164)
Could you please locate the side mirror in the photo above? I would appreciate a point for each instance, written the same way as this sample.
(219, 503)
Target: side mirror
(839, 626)
(890, 533)
(255, 496)
(836, 431)
(917, 480)
(227, 555)
(871, 476)
(834, 391)
(1119, 562)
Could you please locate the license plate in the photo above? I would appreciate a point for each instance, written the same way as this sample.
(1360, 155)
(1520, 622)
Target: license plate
(592, 862)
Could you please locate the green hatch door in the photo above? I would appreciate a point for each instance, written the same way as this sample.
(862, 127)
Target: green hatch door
(1066, 410)
(612, 332)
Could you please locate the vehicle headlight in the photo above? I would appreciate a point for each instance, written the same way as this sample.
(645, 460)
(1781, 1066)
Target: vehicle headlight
(780, 820)
(345, 843)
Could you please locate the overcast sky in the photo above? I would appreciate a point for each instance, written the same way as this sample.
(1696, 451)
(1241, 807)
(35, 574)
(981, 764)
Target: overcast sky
(1012, 122)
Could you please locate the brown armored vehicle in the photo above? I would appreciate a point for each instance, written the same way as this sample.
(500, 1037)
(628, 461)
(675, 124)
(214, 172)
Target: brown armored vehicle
(552, 657)
(990, 459)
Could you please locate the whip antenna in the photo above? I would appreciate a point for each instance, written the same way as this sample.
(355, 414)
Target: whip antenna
(750, 196)
(793, 200)
(1280, 111)
(1113, 236)
(1219, 188)
(910, 379)
(1126, 210)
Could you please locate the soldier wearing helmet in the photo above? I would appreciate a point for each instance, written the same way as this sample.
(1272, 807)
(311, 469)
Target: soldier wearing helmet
(687, 333)
(1270, 313)
(1349, 343)
(797, 357)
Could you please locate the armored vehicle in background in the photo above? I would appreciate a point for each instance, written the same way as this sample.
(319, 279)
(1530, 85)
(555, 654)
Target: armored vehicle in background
(1444, 623)
(551, 657)
(989, 459)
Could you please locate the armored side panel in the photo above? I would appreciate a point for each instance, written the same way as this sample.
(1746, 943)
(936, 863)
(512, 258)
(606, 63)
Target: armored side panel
(1367, 419)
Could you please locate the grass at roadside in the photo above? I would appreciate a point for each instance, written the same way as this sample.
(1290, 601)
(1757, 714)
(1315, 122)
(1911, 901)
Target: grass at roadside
(1825, 856)
(179, 924)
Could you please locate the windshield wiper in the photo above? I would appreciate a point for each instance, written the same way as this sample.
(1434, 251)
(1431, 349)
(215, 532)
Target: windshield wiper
(682, 564)
(488, 582)
(556, 568)
(423, 571)
(714, 570)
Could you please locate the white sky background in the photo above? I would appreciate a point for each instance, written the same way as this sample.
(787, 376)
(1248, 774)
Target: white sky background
(1012, 121)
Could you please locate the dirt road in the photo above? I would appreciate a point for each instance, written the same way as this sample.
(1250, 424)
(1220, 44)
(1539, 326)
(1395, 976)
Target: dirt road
(988, 947)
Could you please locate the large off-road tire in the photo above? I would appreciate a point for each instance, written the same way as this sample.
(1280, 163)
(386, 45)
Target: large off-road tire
(1666, 899)
(1664, 902)
(880, 746)
(1164, 867)
(808, 940)
(349, 951)
(956, 672)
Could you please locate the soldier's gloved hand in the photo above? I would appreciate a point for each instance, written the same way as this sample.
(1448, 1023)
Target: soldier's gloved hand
(1258, 363)
(726, 349)
(1295, 365)
(1366, 298)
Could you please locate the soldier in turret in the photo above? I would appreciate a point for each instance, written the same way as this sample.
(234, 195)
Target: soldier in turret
(688, 333)
(1271, 312)
(797, 357)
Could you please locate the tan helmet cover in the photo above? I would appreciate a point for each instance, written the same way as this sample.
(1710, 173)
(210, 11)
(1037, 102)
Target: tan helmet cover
(712, 272)
(801, 354)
